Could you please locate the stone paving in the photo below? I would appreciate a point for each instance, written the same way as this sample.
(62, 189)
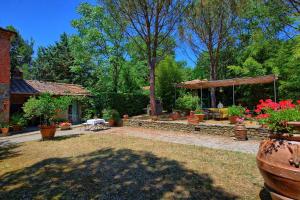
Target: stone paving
(216, 142)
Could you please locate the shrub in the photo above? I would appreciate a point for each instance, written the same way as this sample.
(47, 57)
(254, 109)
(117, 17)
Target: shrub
(18, 119)
(236, 111)
(187, 102)
(124, 103)
(109, 114)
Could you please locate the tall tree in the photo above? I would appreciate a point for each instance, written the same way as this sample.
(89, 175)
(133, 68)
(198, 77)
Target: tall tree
(207, 27)
(21, 51)
(54, 63)
(152, 21)
(103, 38)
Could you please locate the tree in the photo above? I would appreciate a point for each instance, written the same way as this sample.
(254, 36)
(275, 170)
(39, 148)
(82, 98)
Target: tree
(152, 21)
(54, 62)
(168, 73)
(103, 38)
(207, 27)
(21, 51)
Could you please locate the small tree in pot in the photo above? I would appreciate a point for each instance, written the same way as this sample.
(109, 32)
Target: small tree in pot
(18, 121)
(112, 116)
(4, 129)
(46, 108)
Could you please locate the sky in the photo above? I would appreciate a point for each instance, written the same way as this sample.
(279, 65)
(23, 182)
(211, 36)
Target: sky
(45, 20)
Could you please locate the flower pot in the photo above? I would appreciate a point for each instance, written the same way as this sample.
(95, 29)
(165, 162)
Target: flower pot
(5, 131)
(175, 116)
(200, 117)
(278, 162)
(65, 127)
(240, 132)
(17, 128)
(193, 120)
(233, 119)
(48, 132)
(125, 117)
(111, 122)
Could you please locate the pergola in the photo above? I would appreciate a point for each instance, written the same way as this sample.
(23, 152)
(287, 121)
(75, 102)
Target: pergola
(203, 84)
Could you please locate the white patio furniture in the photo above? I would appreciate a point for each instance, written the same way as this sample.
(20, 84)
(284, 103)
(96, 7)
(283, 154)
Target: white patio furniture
(95, 124)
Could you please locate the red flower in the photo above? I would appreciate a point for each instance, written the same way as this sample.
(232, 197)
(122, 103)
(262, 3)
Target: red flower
(285, 104)
(262, 116)
(298, 101)
(247, 111)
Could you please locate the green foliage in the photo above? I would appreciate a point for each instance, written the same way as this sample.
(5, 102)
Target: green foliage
(4, 125)
(187, 102)
(18, 119)
(21, 52)
(45, 107)
(236, 111)
(168, 73)
(276, 119)
(108, 114)
(124, 103)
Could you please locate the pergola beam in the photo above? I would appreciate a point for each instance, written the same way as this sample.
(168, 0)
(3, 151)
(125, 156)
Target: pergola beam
(198, 84)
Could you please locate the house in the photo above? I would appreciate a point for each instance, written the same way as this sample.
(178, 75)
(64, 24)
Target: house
(15, 91)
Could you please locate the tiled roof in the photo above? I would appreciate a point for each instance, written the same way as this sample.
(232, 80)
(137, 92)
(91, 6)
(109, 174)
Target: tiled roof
(20, 86)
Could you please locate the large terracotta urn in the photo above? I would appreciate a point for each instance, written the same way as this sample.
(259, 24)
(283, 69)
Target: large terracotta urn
(48, 132)
(278, 161)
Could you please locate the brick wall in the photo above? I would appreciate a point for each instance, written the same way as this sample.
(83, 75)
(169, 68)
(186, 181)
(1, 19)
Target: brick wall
(5, 37)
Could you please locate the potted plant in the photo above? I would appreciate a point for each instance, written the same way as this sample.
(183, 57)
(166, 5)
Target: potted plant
(46, 108)
(240, 131)
(187, 103)
(17, 121)
(278, 158)
(199, 114)
(65, 126)
(112, 116)
(175, 115)
(4, 129)
(235, 112)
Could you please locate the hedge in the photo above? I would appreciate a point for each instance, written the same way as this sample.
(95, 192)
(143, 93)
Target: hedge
(124, 103)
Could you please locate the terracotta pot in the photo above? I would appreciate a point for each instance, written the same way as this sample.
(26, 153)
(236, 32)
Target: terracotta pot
(48, 132)
(193, 120)
(200, 117)
(278, 161)
(17, 128)
(175, 116)
(66, 127)
(240, 132)
(5, 131)
(233, 119)
(125, 117)
(111, 122)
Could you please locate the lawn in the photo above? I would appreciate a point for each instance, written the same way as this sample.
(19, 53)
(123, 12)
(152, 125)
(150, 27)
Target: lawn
(107, 166)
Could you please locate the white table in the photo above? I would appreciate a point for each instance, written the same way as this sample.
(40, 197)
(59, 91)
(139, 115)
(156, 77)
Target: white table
(95, 124)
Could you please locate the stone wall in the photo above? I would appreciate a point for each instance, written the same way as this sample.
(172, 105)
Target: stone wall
(254, 132)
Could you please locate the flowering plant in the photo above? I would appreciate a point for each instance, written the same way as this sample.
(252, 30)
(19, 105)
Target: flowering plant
(236, 111)
(65, 124)
(240, 120)
(275, 115)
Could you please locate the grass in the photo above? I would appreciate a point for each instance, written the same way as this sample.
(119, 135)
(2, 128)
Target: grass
(106, 166)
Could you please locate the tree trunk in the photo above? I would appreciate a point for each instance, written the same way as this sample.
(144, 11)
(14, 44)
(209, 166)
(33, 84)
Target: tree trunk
(213, 76)
(152, 88)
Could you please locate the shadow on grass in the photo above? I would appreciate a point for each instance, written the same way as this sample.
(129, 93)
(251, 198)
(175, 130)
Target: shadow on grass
(109, 174)
(8, 150)
(65, 137)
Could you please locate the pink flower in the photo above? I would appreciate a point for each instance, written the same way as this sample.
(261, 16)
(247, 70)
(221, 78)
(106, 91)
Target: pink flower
(247, 111)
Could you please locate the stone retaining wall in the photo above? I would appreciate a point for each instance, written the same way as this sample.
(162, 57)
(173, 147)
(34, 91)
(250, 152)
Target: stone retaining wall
(253, 132)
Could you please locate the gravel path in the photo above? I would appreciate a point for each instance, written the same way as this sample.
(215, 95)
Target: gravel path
(216, 142)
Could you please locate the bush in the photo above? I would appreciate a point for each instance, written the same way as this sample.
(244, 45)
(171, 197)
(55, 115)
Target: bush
(18, 119)
(111, 114)
(124, 103)
(236, 111)
(187, 102)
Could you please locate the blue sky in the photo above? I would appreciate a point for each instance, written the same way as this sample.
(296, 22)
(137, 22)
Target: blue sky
(45, 20)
